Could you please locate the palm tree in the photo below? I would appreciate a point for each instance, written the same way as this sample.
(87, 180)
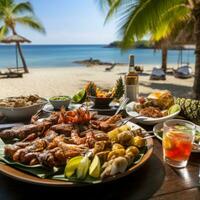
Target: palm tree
(160, 19)
(11, 14)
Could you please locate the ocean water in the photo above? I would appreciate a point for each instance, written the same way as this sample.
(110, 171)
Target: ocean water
(65, 55)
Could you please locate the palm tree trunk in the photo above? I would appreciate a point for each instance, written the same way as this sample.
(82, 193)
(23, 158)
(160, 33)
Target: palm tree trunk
(196, 86)
(22, 58)
(164, 58)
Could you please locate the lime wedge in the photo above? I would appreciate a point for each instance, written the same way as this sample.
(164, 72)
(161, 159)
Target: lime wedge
(95, 167)
(83, 168)
(79, 97)
(173, 109)
(72, 165)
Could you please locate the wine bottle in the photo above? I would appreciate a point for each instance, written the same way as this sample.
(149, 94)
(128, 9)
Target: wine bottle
(131, 81)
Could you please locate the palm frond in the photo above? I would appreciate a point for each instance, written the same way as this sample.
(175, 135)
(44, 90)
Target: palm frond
(140, 17)
(104, 4)
(114, 5)
(3, 31)
(6, 3)
(172, 21)
(23, 7)
(31, 22)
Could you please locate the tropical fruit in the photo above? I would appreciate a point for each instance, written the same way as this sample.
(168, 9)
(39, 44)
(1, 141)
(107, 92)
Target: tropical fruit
(90, 88)
(190, 109)
(118, 89)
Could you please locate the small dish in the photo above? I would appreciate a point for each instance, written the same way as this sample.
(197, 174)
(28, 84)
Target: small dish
(101, 102)
(60, 101)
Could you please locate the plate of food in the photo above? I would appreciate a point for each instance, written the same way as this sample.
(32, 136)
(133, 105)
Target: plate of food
(22, 107)
(157, 107)
(158, 132)
(73, 148)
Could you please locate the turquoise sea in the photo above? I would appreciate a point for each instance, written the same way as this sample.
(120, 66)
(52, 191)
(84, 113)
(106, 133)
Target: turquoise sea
(65, 55)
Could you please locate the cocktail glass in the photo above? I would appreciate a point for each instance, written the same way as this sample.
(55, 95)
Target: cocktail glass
(178, 136)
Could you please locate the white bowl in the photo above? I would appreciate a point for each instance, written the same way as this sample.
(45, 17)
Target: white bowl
(147, 120)
(21, 113)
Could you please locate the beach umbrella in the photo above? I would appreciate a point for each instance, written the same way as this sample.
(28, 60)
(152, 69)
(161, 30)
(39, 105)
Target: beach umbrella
(15, 39)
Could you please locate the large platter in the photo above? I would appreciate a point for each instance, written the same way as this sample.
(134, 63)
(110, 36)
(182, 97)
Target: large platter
(25, 177)
(147, 120)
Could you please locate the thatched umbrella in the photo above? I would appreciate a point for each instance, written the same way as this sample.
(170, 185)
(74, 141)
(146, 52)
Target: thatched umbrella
(15, 39)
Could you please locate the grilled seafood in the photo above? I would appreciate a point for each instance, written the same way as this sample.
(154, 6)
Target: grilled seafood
(107, 125)
(63, 121)
(65, 129)
(79, 116)
(52, 146)
(23, 131)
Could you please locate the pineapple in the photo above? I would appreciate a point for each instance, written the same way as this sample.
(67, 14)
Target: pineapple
(118, 90)
(90, 88)
(190, 109)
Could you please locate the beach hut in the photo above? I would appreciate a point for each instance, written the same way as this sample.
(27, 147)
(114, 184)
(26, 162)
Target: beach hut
(17, 39)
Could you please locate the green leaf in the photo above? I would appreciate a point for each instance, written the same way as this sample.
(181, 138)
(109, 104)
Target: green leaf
(88, 179)
(31, 22)
(2, 144)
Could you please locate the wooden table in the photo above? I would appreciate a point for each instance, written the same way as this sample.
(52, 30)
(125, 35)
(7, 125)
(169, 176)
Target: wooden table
(154, 180)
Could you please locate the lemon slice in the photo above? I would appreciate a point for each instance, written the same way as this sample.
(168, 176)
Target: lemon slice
(72, 165)
(167, 143)
(95, 167)
(83, 168)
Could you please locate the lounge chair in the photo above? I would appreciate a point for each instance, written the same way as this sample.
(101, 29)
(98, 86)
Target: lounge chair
(14, 69)
(158, 74)
(139, 69)
(108, 69)
(183, 72)
(11, 74)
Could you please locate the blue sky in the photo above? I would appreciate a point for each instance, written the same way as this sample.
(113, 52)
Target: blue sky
(70, 22)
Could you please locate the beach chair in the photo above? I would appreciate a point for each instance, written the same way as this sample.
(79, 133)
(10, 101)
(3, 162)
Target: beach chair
(14, 69)
(158, 74)
(3, 74)
(108, 69)
(11, 74)
(183, 72)
(14, 75)
(139, 69)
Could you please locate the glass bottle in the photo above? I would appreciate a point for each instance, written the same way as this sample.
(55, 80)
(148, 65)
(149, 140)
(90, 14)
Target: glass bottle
(131, 81)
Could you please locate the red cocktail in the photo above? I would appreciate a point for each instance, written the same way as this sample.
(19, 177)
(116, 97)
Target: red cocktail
(177, 142)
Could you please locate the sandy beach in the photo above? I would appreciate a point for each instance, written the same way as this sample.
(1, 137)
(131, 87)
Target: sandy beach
(48, 82)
